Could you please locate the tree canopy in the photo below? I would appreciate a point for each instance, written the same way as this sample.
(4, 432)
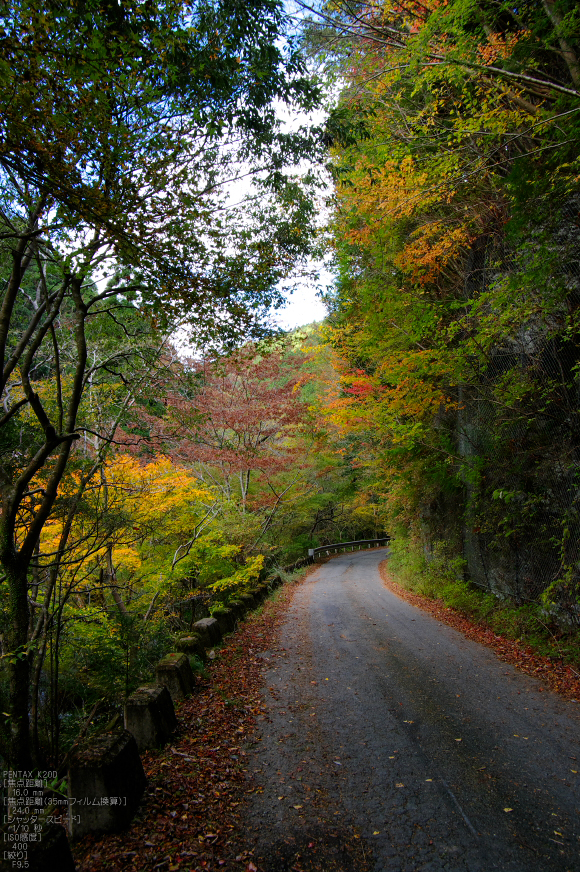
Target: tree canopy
(148, 185)
(121, 128)
(455, 317)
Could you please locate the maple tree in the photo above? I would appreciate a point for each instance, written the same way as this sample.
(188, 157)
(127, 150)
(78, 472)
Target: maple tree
(241, 420)
(239, 423)
(250, 427)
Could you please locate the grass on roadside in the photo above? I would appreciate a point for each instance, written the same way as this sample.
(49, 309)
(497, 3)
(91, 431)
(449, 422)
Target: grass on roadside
(441, 578)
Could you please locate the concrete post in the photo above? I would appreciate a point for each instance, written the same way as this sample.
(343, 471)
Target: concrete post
(105, 784)
(150, 716)
(174, 673)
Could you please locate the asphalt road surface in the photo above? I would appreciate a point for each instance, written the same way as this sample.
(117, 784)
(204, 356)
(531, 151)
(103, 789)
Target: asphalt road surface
(386, 726)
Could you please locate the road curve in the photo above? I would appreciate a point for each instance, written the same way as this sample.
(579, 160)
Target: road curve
(383, 722)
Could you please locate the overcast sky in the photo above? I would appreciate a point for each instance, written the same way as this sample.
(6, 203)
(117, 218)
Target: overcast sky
(303, 307)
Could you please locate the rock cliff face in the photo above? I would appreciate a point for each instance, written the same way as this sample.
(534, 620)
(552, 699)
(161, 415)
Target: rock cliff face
(517, 430)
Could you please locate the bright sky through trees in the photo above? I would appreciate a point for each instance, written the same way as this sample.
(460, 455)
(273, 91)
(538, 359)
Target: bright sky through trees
(303, 307)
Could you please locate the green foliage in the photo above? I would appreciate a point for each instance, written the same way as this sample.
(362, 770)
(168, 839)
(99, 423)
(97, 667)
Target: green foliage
(439, 576)
(240, 581)
(454, 320)
(123, 127)
(563, 596)
(428, 573)
(105, 657)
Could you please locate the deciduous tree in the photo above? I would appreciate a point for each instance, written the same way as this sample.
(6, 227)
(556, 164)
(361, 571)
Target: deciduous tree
(120, 126)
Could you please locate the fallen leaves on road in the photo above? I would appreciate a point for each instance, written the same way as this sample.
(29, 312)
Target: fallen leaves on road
(558, 676)
(190, 816)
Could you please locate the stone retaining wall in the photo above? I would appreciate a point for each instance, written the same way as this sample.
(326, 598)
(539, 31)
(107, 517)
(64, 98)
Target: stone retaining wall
(108, 768)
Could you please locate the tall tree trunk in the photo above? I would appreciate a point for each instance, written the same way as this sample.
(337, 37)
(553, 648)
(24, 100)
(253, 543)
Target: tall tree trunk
(568, 52)
(34, 707)
(18, 666)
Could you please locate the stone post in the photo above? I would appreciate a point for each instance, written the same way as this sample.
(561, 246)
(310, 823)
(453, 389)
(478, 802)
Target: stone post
(209, 630)
(150, 716)
(174, 673)
(105, 784)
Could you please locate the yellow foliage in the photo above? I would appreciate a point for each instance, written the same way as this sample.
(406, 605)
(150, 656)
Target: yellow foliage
(142, 511)
(242, 579)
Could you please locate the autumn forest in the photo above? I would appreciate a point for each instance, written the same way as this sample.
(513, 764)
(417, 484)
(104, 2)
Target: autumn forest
(163, 446)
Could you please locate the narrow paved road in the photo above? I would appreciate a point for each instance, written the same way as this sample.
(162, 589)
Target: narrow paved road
(385, 725)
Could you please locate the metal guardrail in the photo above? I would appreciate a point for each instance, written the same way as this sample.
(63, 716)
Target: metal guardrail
(358, 545)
